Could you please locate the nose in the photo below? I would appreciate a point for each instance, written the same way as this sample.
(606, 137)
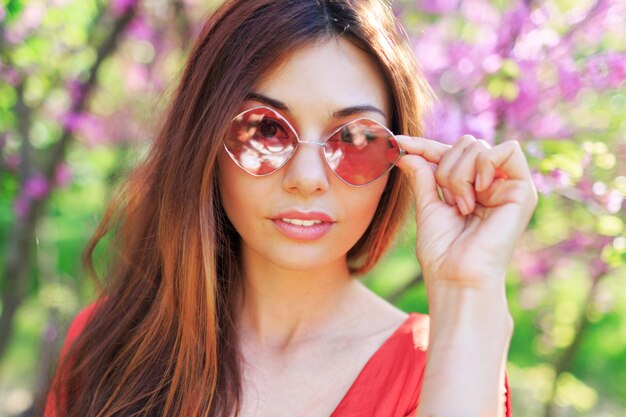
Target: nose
(306, 172)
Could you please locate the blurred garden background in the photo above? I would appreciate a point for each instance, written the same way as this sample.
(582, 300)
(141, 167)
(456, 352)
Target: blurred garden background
(83, 81)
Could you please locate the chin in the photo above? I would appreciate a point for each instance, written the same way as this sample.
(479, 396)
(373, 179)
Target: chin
(303, 259)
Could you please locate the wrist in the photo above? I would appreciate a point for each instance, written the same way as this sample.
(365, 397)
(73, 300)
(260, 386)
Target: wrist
(462, 314)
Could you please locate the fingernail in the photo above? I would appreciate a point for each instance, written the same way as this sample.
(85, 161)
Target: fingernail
(462, 206)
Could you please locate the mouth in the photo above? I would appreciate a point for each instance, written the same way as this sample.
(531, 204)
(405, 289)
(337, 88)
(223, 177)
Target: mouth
(303, 230)
(300, 222)
(304, 218)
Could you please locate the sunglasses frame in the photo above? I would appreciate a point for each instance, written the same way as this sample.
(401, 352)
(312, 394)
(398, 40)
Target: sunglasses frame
(401, 152)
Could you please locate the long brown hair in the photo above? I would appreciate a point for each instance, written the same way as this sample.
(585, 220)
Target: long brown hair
(162, 340)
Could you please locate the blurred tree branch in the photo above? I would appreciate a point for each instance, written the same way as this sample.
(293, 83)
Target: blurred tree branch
(21, 242)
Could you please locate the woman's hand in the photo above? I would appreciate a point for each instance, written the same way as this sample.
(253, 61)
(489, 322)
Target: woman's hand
(467, 241)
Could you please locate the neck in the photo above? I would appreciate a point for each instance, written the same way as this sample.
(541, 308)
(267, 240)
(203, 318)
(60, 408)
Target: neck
(281, 308)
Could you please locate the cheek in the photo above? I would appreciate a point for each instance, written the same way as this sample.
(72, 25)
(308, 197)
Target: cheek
(236, 195)
(362, 204)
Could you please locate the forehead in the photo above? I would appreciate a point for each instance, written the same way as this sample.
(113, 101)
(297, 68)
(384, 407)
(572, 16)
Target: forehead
(321, 78)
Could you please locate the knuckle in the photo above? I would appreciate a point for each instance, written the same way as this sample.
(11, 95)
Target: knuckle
(467, 138)
(513, 144)
(483, 143)
(478, 146)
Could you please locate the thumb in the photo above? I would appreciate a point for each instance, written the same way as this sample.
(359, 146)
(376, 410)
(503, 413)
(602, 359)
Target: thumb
(421, 174)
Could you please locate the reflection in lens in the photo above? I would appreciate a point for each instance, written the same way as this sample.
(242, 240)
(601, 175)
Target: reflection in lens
(334, 155)
(260, 141)
(249, 160)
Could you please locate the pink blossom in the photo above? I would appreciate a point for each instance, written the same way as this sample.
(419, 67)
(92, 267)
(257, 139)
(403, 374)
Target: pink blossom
(614, 200)
(29, 19)
(119, 7)
(570, 82)
(518, 112)
(482, 125)
(533, 267)
(437, 6)
(465, 58)
(578, 242)
(511, 25)
(597, 268)
(33, 14)
(137, 77)
(62, 175)
(10, 75)
(12, 162)
(21, 206)
(559, 177)
(70, 121)
(492, 63)
(534, 150)
(478, 100)
(139, 28)
(606, 70)
(75, 89)
(547, 125)
(431, 51)
(36, 187)
(541, 184)
(445, 122)
(480, 12)
(91, 127)
(585, 189)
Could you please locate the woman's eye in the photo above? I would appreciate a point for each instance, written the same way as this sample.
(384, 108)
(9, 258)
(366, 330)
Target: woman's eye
(346, 136)
(269, 128)
(270, 135)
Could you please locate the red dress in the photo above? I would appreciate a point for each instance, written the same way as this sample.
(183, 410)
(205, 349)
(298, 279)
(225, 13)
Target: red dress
(389, 384)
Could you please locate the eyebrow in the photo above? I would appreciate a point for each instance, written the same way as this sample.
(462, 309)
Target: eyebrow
(338, 114)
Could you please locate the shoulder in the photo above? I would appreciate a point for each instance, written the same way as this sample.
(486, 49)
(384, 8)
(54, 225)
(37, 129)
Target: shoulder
(410, 328)
(79, 322)
(76, 328)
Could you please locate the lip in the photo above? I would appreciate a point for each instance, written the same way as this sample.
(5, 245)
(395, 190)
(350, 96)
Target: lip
(304, 215)
(315, 232)
(292, 231)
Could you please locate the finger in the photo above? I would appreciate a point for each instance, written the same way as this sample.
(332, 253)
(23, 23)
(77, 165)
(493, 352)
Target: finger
(448, 196)
(422, 178)
(505, 191)
(429, 149)
(447, 164)
(463, 174)
(506, 160)
(517, 200)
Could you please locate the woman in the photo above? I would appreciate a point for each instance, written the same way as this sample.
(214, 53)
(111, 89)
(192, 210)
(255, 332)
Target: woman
(270, 185)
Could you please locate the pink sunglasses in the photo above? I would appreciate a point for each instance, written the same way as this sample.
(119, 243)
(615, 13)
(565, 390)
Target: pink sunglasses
(260, 141)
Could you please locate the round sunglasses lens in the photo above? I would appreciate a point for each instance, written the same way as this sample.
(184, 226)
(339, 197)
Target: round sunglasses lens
(361, 151)
(260, 141)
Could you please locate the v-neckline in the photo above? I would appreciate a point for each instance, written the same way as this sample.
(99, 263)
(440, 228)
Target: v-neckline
(369, 364)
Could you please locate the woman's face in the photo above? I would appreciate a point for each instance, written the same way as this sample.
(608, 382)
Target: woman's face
(313, 83)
